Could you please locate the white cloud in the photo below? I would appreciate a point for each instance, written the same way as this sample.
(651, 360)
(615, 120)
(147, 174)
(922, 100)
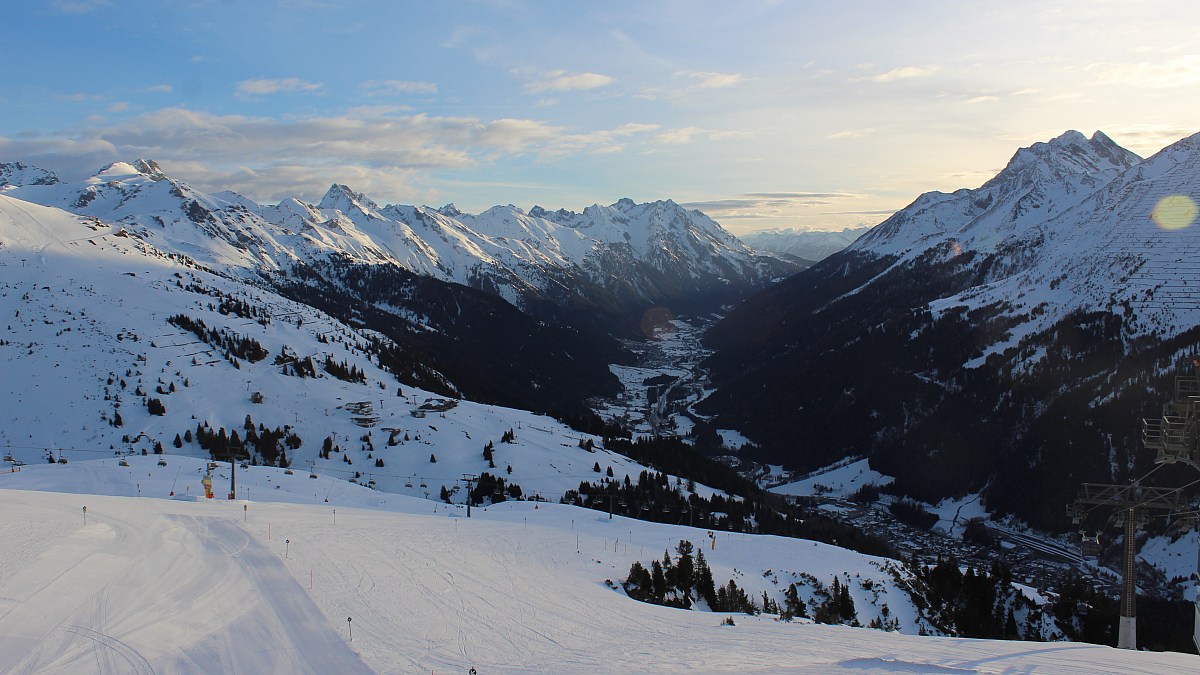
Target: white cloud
(561, 80)
(159, 89)
(904, 73)
(80, 97)
(981, 99)
(678, 136)
(399, 87)
(1178, 72)
(77, 6)
(119, 106)
(225, 150)
(287, 85)
(849, 133)
(709, 80)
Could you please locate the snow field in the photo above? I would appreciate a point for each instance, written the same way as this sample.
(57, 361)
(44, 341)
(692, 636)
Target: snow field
(184, 585)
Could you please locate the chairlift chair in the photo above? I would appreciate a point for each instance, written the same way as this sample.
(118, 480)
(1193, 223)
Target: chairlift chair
(162, 462)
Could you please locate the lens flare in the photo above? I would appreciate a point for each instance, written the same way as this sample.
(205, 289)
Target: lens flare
(1175, 212)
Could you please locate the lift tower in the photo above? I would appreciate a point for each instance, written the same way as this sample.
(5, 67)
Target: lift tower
(1174, 438)
(1130, 505)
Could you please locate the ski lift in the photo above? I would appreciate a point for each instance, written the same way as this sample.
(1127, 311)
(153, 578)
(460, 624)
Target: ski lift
(8, 457)
(371, 483)
(289, 472)
(62, 459)
(312, 475)
(408, 482)
(424, 484)
(123, 462)
(162, 462)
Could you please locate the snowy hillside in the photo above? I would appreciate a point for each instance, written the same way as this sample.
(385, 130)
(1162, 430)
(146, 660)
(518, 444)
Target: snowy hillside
(617, 258)
(812, 245)
(384, 583)
(111, 346)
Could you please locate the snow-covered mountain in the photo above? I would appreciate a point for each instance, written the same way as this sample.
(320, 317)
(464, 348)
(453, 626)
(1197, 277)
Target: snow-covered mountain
(1039, 183)
(113, 346)
(980, 338)
(620, 258)
(807, 245)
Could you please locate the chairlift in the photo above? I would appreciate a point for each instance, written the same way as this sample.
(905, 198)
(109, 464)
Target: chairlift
(407, 483)
(289, 472)
(62, 459)
(162, 462)
(371, 483)
(8, 457)
(424, 484)
(123, 462)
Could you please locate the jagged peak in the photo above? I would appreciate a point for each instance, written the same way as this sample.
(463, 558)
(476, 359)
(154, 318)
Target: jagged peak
(449, 210)
(19, 173)
(1070, 152)
(147, 168)
(337, 196)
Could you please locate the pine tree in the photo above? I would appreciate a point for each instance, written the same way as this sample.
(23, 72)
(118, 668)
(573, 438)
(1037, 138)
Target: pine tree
(704, 582)
(685, 568)
(658, 582)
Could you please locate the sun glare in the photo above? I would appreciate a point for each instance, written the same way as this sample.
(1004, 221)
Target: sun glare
(1174, 212)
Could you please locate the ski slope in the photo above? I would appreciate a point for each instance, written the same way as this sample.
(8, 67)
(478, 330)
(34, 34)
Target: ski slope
(152, 584)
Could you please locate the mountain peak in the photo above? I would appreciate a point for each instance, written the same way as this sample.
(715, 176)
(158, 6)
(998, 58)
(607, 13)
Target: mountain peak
(18, 173)
(342, 198)
(147, 168)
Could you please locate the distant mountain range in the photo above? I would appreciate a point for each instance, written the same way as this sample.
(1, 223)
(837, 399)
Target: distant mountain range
(1004, 339)
(510, 307)
(614, 260)
(806, 246)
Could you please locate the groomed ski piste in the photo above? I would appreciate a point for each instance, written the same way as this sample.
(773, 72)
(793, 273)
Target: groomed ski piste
(277, 583)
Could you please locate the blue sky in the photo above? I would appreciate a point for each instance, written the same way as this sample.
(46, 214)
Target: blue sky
(762, 113)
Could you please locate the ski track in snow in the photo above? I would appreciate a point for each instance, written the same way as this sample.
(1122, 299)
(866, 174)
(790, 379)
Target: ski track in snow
(183, 586)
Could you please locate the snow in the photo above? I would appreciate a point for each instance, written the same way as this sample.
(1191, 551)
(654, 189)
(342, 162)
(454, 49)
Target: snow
(954, 514)
(159, 585)
(838, 480)
(505, 247)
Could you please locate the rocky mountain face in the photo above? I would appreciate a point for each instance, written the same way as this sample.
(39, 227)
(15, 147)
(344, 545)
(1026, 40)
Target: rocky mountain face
(1003, 340)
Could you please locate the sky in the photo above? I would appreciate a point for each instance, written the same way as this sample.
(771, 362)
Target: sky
(762, 113)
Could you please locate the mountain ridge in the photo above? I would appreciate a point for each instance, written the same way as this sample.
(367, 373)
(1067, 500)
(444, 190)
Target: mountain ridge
(990, 340)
